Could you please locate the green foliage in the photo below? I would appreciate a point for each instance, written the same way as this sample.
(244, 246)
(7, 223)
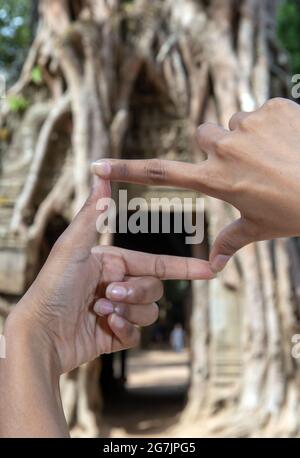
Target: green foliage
(288, 28)
(17, 103)
(127, 5)
(36, 75)
(15, 35)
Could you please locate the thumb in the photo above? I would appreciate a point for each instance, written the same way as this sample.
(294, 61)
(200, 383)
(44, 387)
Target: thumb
(231, 239)
(82, 232)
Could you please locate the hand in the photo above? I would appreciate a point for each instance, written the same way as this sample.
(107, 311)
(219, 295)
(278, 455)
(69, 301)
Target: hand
(89, 300)
(255, 166)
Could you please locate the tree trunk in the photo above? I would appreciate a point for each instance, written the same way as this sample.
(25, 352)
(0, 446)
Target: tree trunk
(202, 61)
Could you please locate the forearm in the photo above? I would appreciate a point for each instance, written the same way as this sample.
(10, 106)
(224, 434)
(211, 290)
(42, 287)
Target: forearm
(30, 403)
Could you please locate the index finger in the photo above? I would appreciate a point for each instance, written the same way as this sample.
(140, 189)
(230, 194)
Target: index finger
(161, 266)
(152, 172)
(164, 172)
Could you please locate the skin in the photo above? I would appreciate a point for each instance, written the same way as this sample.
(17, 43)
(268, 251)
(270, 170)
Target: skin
(87, 300)
(253, 165)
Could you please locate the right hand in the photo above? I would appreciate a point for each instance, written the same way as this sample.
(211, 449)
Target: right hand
(255, 166)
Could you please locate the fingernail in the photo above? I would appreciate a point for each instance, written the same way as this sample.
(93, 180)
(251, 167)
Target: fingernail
(102, 168)
(119, 322)
(115, 292)
(103, 307)
(219, 262)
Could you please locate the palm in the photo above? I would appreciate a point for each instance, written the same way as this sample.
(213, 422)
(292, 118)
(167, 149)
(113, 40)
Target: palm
(83, 281)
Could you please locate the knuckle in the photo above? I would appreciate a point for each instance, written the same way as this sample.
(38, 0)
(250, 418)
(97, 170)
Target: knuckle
(215, 181)
(223, 145)
(153, 291)
(203, 128)
(236, 120)
(253, 230)
(248, 122)
(186, 268)
(155, 170)
(233, 120)
(203, 133)
(150, 315)
(239, 187)
(276, 103)
(228, 246)
(160, 266)
(122, 170)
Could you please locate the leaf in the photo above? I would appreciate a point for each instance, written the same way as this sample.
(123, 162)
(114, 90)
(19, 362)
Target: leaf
(36, 75)
(17, 103)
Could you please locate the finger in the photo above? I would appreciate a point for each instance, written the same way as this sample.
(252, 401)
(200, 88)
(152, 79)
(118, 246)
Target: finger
(231, 239)
(139, 290)
(82, 232)
(237, 119)
(103, 307)
(141, 315)
(208, 136)
(152, 172)
(138, 264)
(126, 335)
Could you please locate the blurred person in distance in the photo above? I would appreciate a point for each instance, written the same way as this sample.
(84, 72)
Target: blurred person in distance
(177, 338)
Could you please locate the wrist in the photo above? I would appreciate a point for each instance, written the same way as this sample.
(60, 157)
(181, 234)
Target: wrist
(26, 338)
(30, 401)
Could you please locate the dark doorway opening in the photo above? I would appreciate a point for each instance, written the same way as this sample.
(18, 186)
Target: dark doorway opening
(143, 388)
